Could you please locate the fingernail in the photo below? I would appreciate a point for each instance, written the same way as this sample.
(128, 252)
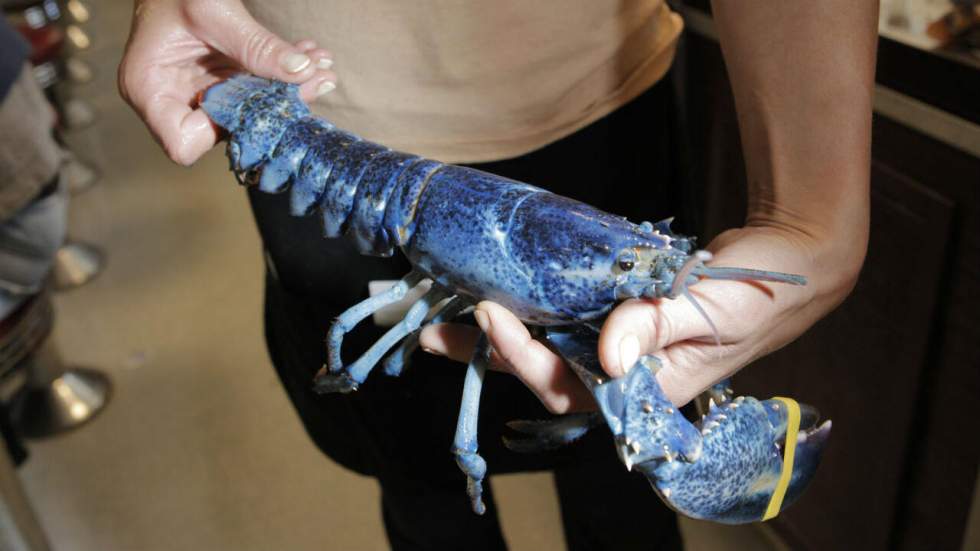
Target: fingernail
(629, 352)
(324, 63)
(294, 63)
(325, 87)
(431, 351)
(482, 319)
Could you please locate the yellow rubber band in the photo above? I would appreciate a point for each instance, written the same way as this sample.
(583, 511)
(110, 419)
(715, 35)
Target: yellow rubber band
(789, 453)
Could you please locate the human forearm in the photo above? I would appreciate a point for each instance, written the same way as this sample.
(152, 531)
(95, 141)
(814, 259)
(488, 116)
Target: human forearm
(802, 74)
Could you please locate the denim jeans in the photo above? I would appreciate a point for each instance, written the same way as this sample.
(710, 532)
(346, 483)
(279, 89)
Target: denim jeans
(33, 207)
(28, 243)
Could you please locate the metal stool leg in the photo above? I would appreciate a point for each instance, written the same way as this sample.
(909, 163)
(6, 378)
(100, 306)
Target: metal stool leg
(79, 10)
(78, 176)
(57, 398)
(79, 72)
(78, 38)
(76, 264)
(78, 113)
(19, 529)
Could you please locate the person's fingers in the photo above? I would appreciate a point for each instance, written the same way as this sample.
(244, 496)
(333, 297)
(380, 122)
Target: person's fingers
(644, 326)
(323, 80)
(678, 380)
(681, 337)
(228, 27)
(322, 83)
(453, 340)
(305, 45)
(689, 367)
(543, 371)
(184, 133)
(322, 59)
(456, 341)
(515, 352)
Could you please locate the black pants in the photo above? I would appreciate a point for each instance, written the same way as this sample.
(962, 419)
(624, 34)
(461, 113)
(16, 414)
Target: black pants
(400, 430)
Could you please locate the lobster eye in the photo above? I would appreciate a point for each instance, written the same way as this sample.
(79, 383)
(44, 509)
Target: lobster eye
(626, 260)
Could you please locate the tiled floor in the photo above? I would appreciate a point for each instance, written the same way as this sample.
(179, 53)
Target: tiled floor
(199, 448)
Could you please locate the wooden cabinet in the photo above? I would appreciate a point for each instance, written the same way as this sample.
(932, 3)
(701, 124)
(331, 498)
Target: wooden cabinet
(897, 366)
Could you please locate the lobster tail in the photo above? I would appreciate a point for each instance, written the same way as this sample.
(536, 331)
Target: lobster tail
(361, 189)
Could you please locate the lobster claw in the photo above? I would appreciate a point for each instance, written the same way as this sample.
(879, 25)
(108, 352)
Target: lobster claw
(644, 422)
(731, 467)
(744, 473)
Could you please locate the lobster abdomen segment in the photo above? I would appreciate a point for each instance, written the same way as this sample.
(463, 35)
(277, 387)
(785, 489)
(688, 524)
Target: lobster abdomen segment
(314, 173)
(350, 181)
(338, 200)
(262, 114)
(377, 184)
(399, 217)
(285, 156)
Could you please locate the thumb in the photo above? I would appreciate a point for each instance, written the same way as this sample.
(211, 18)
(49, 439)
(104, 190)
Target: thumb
(184, 133)
(232, 30)
(644, 326)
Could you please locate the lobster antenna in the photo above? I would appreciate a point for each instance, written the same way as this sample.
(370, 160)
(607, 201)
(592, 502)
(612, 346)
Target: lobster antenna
(697, 306)
(696, 260)
(679, 287)
(746, 274)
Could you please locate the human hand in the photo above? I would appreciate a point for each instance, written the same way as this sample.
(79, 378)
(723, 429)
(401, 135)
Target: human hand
(177, 48)
(752, 318)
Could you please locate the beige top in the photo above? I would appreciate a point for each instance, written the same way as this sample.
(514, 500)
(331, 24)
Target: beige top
(468, 81)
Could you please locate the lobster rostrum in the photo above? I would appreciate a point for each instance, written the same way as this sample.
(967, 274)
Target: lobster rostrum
(554, 262)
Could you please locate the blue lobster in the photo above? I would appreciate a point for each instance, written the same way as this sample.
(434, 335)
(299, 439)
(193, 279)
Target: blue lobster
(555, 263)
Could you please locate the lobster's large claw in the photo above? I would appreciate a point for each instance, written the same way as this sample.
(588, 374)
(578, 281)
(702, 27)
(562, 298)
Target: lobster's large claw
(726, 468)
(633, 406)
(742, 460)
(645, 423)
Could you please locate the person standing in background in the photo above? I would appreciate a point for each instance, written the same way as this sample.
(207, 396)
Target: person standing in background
(33, 207)
(575, 98)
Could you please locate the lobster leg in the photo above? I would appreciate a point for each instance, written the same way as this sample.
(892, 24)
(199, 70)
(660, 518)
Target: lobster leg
(355, 314)
(354, 374)
(396, 362)
(465, 445)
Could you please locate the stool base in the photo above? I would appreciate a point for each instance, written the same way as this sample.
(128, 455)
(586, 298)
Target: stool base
(76, 264)
(67, 402)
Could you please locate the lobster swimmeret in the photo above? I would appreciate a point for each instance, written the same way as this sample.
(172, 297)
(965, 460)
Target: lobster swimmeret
(555, 263)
